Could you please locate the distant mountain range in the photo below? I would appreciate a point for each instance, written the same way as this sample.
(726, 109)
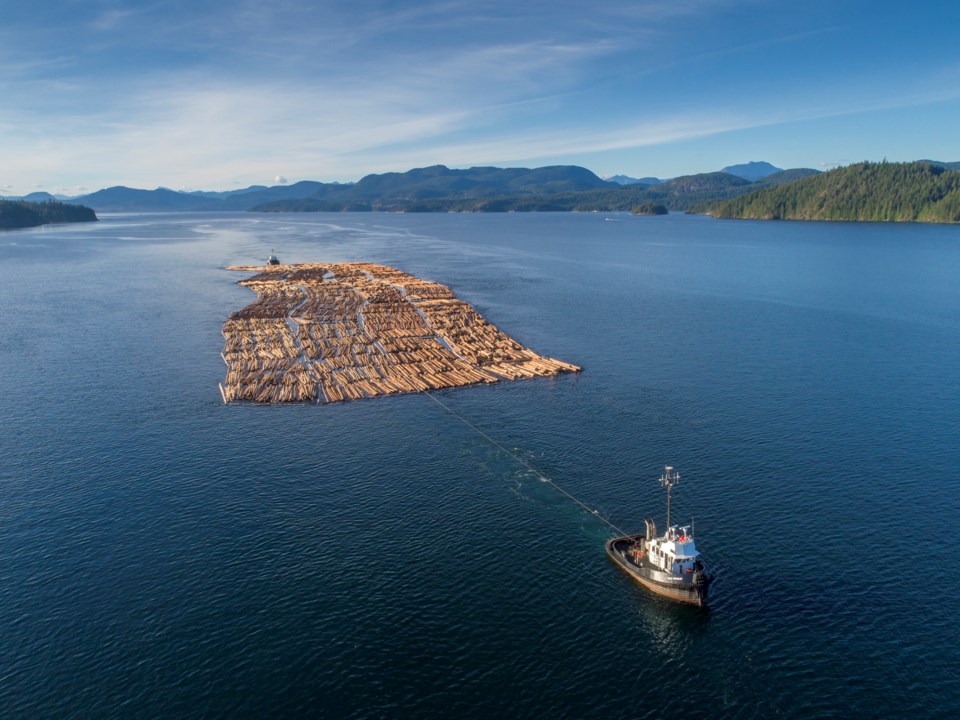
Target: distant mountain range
(479, 189)
(124, 199)
(753, 170)
(441, 189)
(627, 180)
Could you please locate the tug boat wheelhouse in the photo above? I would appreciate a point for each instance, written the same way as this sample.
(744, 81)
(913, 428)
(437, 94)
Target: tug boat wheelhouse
(670, 564)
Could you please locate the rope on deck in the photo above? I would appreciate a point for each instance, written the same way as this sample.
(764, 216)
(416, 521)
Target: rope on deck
(523, 462)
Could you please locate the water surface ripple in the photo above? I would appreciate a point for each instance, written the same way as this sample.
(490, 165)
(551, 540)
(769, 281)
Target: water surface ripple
(162, 555)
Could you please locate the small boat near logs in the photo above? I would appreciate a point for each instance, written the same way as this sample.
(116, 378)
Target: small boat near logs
(669, 564)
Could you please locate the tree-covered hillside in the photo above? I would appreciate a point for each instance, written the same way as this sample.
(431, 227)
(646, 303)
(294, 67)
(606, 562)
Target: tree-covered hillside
(564, 188)
(885, 192)
(18, 214)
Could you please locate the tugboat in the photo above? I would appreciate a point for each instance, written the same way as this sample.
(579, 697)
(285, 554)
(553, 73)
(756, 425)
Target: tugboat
(272, 260)
(670, 564)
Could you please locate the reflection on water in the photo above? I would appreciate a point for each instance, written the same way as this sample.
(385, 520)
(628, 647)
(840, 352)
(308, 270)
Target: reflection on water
(672, 627)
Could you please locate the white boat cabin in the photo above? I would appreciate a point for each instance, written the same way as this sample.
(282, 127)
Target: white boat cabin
(674, 552)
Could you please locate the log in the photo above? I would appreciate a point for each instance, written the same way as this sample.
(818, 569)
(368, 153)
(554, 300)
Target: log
(352, 330)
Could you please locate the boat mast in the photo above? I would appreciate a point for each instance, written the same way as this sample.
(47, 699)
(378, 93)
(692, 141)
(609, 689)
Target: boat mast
(668, 480)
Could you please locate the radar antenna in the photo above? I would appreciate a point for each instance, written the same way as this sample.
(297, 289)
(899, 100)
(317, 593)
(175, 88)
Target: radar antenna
(668, 480)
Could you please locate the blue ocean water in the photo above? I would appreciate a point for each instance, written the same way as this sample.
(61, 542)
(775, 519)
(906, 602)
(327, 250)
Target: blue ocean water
(164, 555)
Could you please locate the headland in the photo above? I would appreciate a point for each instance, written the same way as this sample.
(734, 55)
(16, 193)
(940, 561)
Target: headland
(19, 214)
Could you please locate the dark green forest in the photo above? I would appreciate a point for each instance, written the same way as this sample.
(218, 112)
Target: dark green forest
(881, 192)
(649, 208)
(19, 214)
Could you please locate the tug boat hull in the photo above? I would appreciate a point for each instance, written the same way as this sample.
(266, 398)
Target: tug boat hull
(688, 588)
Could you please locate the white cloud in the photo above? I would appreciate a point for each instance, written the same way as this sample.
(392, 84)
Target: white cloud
(227, 94)
(280, 180)
(188, 129)
(210, 137)
(111, 19)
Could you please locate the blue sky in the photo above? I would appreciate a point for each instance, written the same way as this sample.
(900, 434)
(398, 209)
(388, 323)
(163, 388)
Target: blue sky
(218, 95)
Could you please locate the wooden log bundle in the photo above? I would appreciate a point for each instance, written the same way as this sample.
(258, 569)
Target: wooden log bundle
(346, 331)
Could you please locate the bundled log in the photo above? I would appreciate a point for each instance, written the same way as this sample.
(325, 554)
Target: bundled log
(346, 331)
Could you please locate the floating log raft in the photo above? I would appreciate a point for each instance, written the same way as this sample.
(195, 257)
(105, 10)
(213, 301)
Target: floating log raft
(346, 331)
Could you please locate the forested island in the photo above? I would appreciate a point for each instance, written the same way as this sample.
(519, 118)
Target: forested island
(20, 214)
(649, 208)
(879, 192)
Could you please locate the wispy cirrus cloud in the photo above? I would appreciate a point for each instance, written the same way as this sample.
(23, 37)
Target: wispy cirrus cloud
(113, 19)
(206, 136)
(211, 92)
